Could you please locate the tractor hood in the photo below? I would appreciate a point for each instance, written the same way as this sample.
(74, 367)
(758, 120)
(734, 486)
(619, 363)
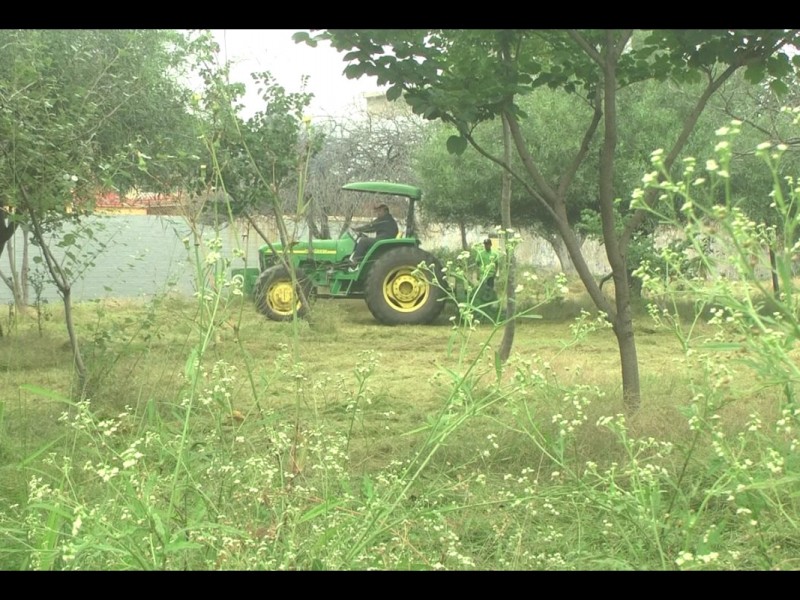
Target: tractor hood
(321, 247)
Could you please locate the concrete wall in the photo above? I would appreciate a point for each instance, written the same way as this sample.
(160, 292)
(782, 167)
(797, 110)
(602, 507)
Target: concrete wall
(146, 255)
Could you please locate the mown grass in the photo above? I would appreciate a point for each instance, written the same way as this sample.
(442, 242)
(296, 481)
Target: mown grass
(337, 443)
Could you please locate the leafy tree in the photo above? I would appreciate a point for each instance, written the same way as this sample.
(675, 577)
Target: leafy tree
(251, 161)
(465, 187)
(82, 111)
(468, 77)
(365, 147)
(459, 188)
(764, 118)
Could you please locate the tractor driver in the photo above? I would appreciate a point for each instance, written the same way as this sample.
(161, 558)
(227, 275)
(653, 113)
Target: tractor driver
(383, 226)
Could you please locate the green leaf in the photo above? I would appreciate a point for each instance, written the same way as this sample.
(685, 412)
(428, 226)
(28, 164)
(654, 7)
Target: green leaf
(456, 144)
(394, 92)
(754, 73)
(317, 565)
(31, 457)
(44, 393)
(779, 87)
(431, 113)
(528, 316)
(190, 368)
(302, 37)
(181, 545)
(318, 510)
(779, 65)
(158, 525)
(354, 71)
(367, 488)
(498, 366)
(726, 346)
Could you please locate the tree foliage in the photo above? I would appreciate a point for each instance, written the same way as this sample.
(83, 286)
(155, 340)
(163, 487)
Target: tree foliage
(459, 188)
(88, 109)
(253, 159)
(364, 147)
(468, 77)
(81, 112)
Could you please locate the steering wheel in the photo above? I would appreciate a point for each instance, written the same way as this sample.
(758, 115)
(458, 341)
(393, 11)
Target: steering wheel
(351, 232)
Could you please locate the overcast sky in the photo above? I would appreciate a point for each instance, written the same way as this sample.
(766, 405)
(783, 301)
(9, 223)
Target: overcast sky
(273, 50)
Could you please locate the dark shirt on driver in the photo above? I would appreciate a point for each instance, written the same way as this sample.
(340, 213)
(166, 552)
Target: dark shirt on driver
(384, 227)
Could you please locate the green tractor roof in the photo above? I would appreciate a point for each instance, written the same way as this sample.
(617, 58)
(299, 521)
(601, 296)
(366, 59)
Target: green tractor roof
(385, 187)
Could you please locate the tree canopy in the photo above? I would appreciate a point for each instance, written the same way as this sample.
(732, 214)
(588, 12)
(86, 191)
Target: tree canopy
(87, 110)
(468, 77)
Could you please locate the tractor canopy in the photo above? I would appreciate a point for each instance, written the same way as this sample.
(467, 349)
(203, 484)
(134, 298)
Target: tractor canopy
(385, 187)
(413, 193)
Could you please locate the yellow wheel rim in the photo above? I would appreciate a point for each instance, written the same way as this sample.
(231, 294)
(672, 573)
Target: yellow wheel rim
(281, 297)
(404, 291)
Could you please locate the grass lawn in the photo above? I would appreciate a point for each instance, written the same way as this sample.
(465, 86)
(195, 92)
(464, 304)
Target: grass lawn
(344, 444)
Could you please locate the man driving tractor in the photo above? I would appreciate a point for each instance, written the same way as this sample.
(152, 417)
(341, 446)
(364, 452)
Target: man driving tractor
(383, 226)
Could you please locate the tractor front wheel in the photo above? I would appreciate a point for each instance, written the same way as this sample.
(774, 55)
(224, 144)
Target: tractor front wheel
(398, 293)
(277, 299)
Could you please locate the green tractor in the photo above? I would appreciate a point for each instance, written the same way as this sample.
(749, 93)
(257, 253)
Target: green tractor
(396, 291)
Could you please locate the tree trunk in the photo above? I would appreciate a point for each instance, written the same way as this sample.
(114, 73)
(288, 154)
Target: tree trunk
(554, 200)
(626, 341)
(776, 284)
(64, 288)
(80, 367)
(623, 321)
(17, 281)
(560, 249)
(505, 216)
(462, 228)
(324, 226)
(317, 220)
(24, 270)
(7, 228)
(313, 230)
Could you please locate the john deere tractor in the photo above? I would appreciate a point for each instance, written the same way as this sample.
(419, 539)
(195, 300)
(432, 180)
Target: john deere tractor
(388, 278)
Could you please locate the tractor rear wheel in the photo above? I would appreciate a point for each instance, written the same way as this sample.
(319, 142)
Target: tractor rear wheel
(398, 293)
(275, 297)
